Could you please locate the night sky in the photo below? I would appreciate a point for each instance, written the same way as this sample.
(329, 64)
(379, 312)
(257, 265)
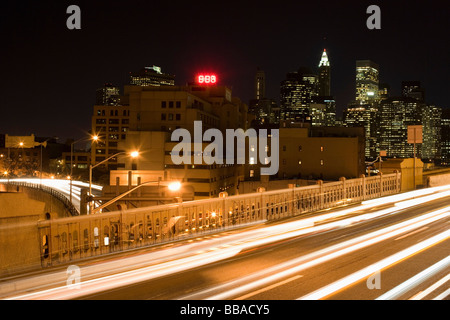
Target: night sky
(49, 73)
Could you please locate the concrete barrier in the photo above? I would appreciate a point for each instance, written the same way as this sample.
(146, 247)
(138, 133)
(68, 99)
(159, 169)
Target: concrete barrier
(438, 180)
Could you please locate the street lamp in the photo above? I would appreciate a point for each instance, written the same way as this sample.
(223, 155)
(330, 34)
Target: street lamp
(174, 186)
(133, 154)
(93, 138)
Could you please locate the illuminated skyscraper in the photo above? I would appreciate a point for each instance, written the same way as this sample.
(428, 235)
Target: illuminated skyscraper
(107, 96)
(264, 109)
(445, 137)
(431, 122)
(367, 81)
(323, 111)
(297, 93)
(366, 116)
(413, 89)
(396, 114)
(324, 75)
(260, 85)
(151, 76)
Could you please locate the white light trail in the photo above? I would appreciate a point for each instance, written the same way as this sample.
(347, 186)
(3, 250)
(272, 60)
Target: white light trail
(291, 267)
(416, 280)
(443, 295)
(430, 289)
(405, 195)
(93, 286)
(366, 272)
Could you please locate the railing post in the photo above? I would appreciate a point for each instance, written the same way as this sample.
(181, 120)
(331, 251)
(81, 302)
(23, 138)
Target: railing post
(83, 201)
(381, 183)
(321, 196)
(262, 207)
(344, 189)
(225, 213)
(397, 181)
(363, 179)
(291, 200)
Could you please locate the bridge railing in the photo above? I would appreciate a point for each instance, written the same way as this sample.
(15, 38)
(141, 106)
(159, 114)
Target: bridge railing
(58, 195)
(67, 239)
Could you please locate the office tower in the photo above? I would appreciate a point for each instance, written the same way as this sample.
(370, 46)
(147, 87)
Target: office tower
(324, 75)
(323, 111)
(396, 114)
(111, 123)
(367, 81)
(151, 76)
(297, 92)
(383, 91)
(146, 121)
(431, 122)
(107, 96)
(260, 85)
(264, 109)
(445, 136)
(365, 116)
(413, 89)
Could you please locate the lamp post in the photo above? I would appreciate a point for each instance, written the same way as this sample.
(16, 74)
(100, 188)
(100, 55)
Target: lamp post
(41, 144)
(133, 154)
(93, 138)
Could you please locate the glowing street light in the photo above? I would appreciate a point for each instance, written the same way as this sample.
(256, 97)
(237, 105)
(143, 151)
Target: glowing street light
(93, 138)
(134, 154)
(174, 186)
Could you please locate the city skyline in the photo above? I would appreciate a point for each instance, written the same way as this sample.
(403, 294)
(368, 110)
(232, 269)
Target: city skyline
(63, 68)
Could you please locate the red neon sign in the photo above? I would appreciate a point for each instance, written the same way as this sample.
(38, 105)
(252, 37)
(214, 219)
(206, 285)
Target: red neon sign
(207, 79)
